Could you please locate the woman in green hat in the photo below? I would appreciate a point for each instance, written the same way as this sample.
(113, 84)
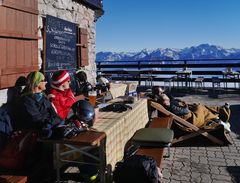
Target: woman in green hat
(35, 111)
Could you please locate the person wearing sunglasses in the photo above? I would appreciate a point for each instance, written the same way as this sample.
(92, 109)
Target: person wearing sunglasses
(198, 114)
(34, 109)
(60, 93)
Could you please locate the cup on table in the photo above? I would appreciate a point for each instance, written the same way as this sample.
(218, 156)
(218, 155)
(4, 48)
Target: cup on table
(92, 95)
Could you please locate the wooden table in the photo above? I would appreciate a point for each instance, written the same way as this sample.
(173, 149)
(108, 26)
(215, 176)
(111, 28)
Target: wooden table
(185, 75)
(120, 127)
(81, 143)
(113, 131)
(13, 179)
(230, 75)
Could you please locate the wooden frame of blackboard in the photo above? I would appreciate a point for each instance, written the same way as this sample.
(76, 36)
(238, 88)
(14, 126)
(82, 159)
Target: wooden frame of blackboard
(44, 49)
(79, 45)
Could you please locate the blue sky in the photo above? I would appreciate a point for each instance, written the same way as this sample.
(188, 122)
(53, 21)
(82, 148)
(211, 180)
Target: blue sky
(132, 25)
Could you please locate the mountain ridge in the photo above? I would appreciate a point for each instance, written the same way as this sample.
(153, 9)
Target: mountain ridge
(202, 51)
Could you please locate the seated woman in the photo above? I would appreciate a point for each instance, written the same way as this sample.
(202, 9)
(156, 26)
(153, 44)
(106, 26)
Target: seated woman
(35, 111)
(197, 114)
(61, 94)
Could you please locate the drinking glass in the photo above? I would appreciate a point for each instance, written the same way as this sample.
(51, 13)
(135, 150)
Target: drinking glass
(92, 95)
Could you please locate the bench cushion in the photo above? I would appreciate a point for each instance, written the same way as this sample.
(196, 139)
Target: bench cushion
(157, 137)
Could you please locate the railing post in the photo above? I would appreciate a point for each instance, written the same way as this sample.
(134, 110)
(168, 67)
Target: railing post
(139, 73)
(98, 67)
(185, 64)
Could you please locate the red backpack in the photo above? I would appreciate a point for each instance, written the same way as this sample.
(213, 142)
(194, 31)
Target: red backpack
(19, 149)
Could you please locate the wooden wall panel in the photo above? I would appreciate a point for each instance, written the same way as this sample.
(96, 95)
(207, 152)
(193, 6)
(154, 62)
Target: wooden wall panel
(19, 70)
(8, 80)
(27, 23)
(29, 6)
(3, 18)
(11, 16)
(27, 53)
(35, 5)
(20, 53)
(18, 40)
(35, 26)
(19, 21)
(18, 24)
(3, 53)
(12, 78)
(11, 53)
(28, 3)
(4, 81)
(34, 52)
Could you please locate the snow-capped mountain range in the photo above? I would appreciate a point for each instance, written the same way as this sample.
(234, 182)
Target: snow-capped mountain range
(203, 51)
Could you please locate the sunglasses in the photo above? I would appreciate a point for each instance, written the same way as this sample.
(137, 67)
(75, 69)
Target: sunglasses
(44, 80)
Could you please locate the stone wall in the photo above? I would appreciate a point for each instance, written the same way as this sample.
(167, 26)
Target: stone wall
(74, 12)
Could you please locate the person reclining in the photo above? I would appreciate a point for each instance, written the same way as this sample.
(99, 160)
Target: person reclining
(198, 114)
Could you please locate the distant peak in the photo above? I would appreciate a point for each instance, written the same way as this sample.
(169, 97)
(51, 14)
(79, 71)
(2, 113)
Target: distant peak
(202, 51)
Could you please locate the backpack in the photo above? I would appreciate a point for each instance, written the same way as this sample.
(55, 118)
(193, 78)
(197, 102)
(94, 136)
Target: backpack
(5, 125)
(20, 151)
(136, 168)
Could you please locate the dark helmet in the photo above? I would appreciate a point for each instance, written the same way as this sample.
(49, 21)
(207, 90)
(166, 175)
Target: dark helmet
(85, 88)
(84, 111)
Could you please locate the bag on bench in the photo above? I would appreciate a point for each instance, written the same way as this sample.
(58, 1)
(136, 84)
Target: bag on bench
(5, 125)
(136, 168)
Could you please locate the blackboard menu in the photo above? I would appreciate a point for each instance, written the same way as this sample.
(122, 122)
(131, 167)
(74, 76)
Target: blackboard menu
(60, 47)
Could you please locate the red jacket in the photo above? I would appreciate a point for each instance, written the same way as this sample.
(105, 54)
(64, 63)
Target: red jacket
(62, 100)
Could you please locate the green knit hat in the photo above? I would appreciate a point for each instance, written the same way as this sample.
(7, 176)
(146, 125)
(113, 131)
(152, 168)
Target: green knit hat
(33, 80)
(38, 77)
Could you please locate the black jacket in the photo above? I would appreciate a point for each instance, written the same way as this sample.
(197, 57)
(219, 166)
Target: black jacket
(82, 88)
(177, 107)
(36, 113)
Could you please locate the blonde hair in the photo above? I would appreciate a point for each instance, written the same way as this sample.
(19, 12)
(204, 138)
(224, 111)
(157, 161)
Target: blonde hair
(33, 80)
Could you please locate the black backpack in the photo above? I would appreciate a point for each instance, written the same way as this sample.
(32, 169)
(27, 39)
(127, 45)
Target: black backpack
(5, 125)
(136, 168)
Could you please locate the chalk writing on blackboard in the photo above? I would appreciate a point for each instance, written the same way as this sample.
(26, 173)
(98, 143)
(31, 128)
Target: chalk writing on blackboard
(61, 41)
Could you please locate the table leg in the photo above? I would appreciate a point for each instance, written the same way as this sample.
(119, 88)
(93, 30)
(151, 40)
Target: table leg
(102, 161)
(57, 151)
(225, 81)
(235, 79)
(187, 81)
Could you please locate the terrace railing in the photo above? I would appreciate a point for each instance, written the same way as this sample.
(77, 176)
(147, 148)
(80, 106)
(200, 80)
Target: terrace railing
(163, 69)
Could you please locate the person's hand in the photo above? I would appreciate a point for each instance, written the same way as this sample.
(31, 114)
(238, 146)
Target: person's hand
(80, 97)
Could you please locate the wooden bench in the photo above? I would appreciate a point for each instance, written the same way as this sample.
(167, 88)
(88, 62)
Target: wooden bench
(157, 152)
(13, 179)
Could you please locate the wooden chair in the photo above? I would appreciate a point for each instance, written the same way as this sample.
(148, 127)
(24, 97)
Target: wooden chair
(157, 152)
(195, 130)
